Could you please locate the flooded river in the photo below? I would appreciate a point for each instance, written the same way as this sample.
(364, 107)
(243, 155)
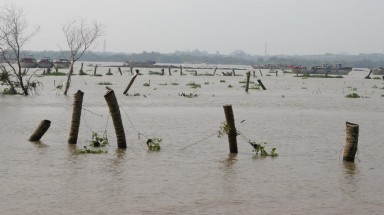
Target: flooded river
(304, 119)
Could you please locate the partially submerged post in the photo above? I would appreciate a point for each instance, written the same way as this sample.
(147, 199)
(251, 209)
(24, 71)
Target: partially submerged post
(116, 117)
(276, 72)
(369, 74)
(40, 130)
(76, 114)
(247, 84)
(94, 71)
(232, 133)
(214, 72)
(261, 73)
(131, 82)
(131, 69)
(261, 84)
(162, 71)
(181, 70)
(352, 139)
(254, 73)
(233, 72)
(195, 72)
(120, 70)
(81, 69)
(169, 71)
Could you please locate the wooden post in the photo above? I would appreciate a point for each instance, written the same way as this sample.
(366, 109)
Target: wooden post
(352, 139)
(49, 71)
(169, 71)
(94, 71)
(131, 82)
(195, 72)
(214, 72)
(40, 131)
(276, 72)
(181, 70)
(261, 73)
(116, 117)
(76, 114)
(81, 69)
(261, 84)
(233, 71)
(247, 84)
(231, 127)
(120, 70)
(131, 69)
(162, 71)
(369, 75)
(254, 73)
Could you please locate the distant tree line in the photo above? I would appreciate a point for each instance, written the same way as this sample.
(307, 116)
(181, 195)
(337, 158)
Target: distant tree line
(235, 58)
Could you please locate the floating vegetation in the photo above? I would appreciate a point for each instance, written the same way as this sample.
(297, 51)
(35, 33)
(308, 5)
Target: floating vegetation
(104, 83)
(253, 86)
(230, 86)
(268, 75)
(154, 144)
(83, 73)
(259, 148)
(136, 94)
(174, 83)
(55, 74)
(245, 81)
(224, 130)
(354, 89)
(97, 75)
(205, 74)
(188, 95)
(206, 83)
(193, 85)
(147, 84)
(222, 81)
(375, 86)
(155, 73)
(320, 76)
(377, 78)
(109, 73)
(163, 84)
(353, 95)
(96, 145)
(8, 91)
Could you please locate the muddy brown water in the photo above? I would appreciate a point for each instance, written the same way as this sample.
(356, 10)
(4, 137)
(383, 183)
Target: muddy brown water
(303, 118)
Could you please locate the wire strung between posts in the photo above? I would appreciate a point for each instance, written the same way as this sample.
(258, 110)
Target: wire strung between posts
(199, 141)
(85, 121)
(133, 127)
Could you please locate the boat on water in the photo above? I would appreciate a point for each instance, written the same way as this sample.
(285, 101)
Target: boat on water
(326, 69)
(45, 62)
(28, 62)
(61, 64)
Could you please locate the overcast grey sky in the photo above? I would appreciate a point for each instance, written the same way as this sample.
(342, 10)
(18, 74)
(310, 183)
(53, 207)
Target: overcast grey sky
(288, 26)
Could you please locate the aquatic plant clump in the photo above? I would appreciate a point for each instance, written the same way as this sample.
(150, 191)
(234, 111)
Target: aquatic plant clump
(188, 95)
(104, 83)
(96, 145)
(259, 148)
(193, 85)
(352, 95)
(154, 144)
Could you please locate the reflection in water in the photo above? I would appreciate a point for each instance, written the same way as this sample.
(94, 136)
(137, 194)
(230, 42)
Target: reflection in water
(349, 184)
(116, 164)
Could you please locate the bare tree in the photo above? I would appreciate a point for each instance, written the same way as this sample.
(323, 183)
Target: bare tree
(14, 34)
(80, 36)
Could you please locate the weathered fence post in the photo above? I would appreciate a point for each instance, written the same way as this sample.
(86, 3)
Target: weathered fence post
(195, 72)
(232, 133)
(181, 70)
(162, 71)
(94, 71)
(120, 70)
(76, 114)
(276, 72)
(169, 71)
(254, 73)
(352, 139)
(131, 82)
(233, 72)
(261, 73)
(261, 84)
(116, 117)
(40, 130)
(81, 69)
(131, 69)
(214, 72)
(247, 84)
